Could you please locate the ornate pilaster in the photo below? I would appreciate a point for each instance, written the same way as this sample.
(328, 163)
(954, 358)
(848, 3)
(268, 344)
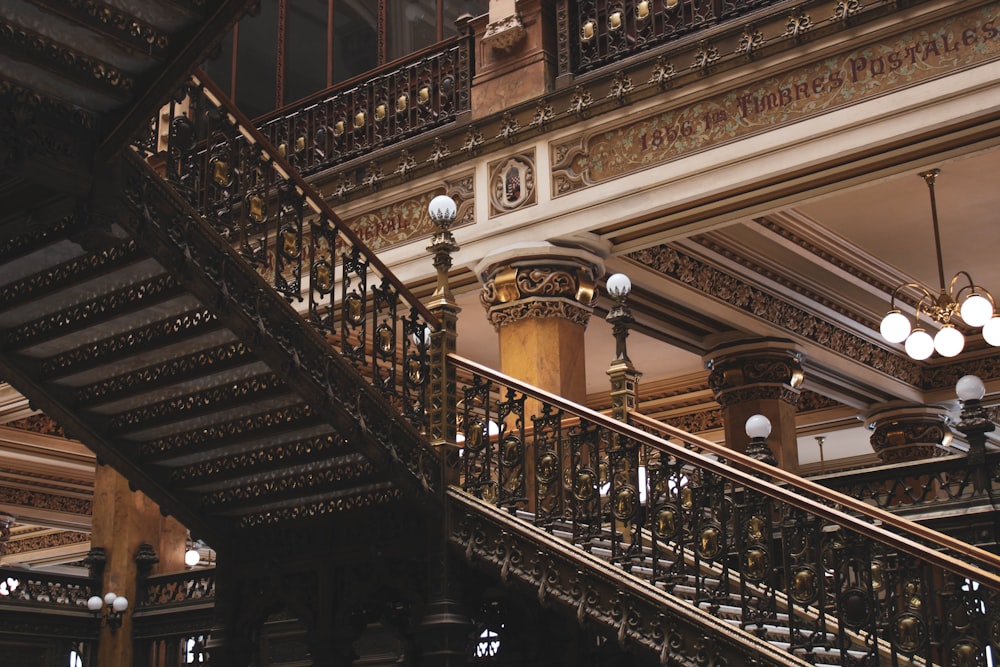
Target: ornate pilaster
(758, 376)
(904, 432)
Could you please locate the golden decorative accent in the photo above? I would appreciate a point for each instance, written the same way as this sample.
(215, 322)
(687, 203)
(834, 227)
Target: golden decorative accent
(354, 309)
(256, 208)
(709, 542)
(755, 564)
(665, 525)
(547, 468)
(322, 276)
(587, 30)
(474, 441)
(510, 451)
(803, 588)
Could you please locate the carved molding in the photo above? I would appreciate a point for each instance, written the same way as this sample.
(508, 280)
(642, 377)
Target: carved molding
(45, 501)
(707, 279)
(505, 34)
(48, 541)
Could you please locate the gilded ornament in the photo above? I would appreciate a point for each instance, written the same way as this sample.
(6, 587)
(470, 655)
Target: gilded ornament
(804, 589)
(755, 564)
(510, 451)
(665, 523)
(354, 309)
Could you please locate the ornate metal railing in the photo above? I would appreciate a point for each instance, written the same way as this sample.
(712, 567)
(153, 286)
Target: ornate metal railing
(174, 616)
(253, 197)
(928, 485)
(170, 589)
(425, 90)
(724, 530)
(594, 33)
(40, 588)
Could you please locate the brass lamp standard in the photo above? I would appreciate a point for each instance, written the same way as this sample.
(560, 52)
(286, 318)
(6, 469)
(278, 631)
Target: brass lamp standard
(961, 297)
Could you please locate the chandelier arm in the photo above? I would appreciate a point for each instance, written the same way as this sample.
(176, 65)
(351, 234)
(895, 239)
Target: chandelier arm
(925, 295)
(972, 287)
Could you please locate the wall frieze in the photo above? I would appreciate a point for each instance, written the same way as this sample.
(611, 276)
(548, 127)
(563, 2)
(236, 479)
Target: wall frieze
(45, 501)
(731, 290)
(845, 79)
(48, 541)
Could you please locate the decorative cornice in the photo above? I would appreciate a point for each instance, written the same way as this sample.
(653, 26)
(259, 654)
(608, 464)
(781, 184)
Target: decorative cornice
(45, 501)
(729, 289)
(48, 541)
(39, 423)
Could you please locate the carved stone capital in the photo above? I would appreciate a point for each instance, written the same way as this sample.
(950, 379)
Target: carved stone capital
(903, 432)
(505, 34)
(755, 370)
(539, 280)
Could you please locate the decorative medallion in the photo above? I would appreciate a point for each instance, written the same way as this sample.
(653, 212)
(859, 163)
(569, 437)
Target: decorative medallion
(855, 608)
(755, 564)
(908, 633)
(665, 522)
(804, 589)
(512, 183)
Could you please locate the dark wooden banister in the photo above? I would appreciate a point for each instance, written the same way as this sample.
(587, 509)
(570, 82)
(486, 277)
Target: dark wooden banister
(739, 469)
(315, 202)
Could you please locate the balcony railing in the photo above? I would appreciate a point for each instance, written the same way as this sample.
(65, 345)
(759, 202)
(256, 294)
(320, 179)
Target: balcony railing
(844, 580)
(385, 106)
(253, 197)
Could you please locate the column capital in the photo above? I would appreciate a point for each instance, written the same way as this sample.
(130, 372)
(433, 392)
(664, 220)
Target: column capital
(539, 280)
(903, 432)
(755, 369)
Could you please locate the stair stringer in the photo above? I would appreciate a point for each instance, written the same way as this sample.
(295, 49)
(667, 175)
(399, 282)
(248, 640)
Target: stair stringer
(604, 597)
(175, 234)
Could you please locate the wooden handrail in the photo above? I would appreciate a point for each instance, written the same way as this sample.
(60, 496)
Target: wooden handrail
(781, 485)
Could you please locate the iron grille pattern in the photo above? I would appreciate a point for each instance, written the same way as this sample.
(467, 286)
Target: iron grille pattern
(785, 559)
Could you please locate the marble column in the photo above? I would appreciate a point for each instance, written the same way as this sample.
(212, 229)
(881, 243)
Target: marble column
(758, 376)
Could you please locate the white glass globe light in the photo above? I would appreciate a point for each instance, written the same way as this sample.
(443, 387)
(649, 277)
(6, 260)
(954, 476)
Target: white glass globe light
(949, 341)
(120, 604)
(619, 286)
(895, 327)
(94, 603)
(109, 598)
(970, 388)
(758, 426)
(442, 209)
(976, 310)
(991, 331)
(192, 557)
(919, 344)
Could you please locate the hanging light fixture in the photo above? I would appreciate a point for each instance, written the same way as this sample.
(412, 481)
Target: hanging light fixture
(961, 297)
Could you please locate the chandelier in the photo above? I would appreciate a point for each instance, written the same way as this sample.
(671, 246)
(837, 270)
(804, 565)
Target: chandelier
(961, 297)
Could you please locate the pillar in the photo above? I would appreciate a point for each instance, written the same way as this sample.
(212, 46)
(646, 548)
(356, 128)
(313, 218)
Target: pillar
(515, 55)
(538, 296)
(758, 376)
(131, 537)
(906, 432)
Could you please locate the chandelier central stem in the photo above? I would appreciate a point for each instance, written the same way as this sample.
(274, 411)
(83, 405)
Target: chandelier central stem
(930, 177)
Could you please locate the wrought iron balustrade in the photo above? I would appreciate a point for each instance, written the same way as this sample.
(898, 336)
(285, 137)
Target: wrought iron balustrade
(253, 197)
(594, 33)
(169, 589)
(933, 484)
(830, 575)
(425, 90)
(42, 588)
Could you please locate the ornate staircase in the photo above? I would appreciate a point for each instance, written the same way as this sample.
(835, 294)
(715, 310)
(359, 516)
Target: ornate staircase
(207, 325)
